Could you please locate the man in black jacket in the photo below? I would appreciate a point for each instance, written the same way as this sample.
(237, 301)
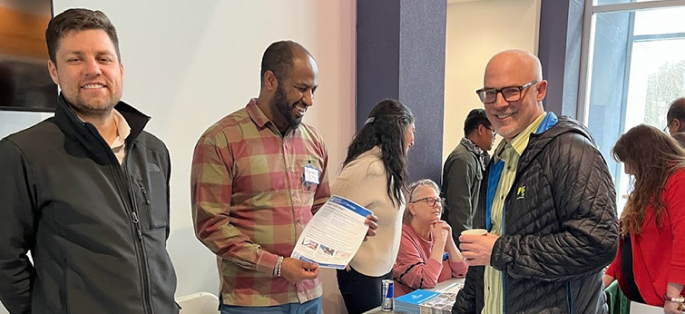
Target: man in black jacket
(85, 192)
(547, 200)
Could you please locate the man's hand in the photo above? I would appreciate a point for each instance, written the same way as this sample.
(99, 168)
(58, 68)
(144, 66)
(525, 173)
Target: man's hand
(372, 222)
(477, 248)
(295, 270)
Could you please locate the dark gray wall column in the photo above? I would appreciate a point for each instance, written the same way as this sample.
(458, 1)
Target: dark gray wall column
(401, 55)
(559, 49)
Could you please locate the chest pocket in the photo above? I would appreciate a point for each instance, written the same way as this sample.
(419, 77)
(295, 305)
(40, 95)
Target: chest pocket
(310, 177)
(152, 200)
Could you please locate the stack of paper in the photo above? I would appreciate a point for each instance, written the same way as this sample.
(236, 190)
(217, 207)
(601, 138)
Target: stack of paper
(428, 302)
(411, 303)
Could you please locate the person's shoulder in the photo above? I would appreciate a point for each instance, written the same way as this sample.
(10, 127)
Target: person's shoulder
(366, 164)
(678, 177)
(42, 137)
(230, 124)
(311, 132)
(461, 155)
(459, 151)
(151, 142)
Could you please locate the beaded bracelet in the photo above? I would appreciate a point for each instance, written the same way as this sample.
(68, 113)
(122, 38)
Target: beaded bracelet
(277, 268)
(681, 299)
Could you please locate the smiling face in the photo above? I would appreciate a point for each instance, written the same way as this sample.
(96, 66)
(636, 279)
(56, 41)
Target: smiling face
(88, 72)
(295, 93)
(514, 68)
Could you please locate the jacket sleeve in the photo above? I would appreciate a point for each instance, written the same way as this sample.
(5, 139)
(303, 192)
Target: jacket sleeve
(17, 229)
(411, 269)
(466, 298)
(675, 203)
(461, 174)
(585, 203)
(211, 189)
(458, 269)
(168, 190)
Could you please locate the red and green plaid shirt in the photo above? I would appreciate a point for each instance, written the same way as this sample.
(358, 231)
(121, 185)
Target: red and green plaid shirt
(251, 203)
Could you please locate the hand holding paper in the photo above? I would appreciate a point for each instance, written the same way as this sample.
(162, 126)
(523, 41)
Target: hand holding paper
(335, 233)
(372, 222)
(296, 271)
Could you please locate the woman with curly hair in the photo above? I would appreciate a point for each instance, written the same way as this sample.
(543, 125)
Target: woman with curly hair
(650, 265)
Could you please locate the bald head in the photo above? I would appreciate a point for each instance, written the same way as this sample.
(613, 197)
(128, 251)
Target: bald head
(279, 57)
(518, 74)
(525, 63)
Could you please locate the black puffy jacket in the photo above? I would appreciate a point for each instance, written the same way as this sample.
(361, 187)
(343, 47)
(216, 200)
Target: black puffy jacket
(97, 231)
(559, 233)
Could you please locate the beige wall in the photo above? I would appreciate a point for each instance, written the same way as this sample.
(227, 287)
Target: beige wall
(475, 32)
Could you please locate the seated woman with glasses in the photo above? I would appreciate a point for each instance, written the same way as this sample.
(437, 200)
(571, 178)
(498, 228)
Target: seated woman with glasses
(650, 264)
(427, 252)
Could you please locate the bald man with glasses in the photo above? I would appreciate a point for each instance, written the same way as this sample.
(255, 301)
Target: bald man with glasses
(546, 199)
(676, 117)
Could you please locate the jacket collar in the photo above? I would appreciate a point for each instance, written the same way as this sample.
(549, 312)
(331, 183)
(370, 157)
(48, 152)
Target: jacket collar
(549, 129)
(86, 133)
(481, 155)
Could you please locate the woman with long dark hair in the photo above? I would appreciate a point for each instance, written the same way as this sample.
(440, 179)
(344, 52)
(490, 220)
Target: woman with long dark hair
(650, 265)
(374, 175)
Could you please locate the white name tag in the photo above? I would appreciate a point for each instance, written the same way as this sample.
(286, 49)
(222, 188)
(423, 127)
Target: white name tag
(311, 175)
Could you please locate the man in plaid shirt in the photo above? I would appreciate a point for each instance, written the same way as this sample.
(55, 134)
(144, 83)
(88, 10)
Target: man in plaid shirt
(258, 176)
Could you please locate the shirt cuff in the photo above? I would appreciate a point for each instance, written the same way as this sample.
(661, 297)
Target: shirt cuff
(267, 262)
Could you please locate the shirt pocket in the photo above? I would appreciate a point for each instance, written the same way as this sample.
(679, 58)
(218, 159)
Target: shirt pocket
(153, 201)
(310, 176)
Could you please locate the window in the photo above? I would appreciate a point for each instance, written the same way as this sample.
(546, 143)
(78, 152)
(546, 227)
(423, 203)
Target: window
(634, 68)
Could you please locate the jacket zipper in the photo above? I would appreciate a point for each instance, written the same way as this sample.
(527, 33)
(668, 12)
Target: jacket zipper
(136, 223)
(504, 281)
(131, 207)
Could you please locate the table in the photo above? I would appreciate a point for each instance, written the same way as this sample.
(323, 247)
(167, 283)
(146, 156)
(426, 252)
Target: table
(437, 287)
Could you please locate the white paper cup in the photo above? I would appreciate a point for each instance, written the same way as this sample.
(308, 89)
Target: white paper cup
(475, 232)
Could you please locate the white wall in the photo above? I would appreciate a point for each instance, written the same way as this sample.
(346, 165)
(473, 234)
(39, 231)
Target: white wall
(475, 32)
(189, 63)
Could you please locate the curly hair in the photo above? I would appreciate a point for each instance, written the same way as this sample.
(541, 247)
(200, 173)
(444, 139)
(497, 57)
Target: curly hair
(652, 156)
(385, 128)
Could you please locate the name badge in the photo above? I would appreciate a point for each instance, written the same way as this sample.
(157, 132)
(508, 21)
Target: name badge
(311, 175)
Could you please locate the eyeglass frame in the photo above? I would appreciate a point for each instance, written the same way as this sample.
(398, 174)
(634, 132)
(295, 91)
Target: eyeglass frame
(500, 91)
(494, 133)
(666, 128)
(429, 199)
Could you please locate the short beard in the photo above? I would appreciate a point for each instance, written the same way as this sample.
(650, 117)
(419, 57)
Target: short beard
(280, 101)
(89, 110)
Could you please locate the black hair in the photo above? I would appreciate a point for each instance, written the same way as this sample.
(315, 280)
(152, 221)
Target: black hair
(475, 118)
(385, 128)
(278, 58)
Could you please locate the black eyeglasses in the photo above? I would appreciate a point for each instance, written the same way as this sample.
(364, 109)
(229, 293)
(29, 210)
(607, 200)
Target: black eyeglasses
(431, 201)
(494, 133)
(510, 93)
(667, 125)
